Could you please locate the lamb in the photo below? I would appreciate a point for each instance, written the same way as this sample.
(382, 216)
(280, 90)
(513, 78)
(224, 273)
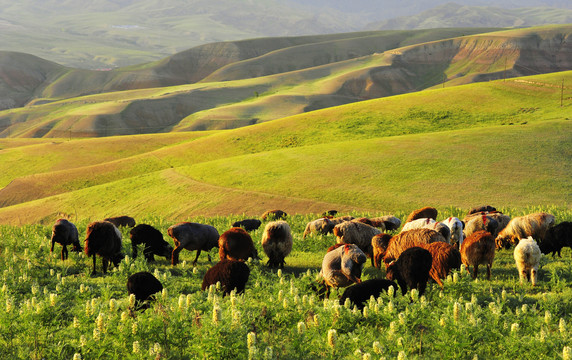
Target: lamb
(274, 215)
(407, 239)
(535, 225)
(477, 249)
(343, 266)
(411, 269)
(360, 234)
(232, 274)
(143, 285)
(236, 244)
(425, 212)
(556, 238)
(445, 258)
(456, 227)
(119, 221)
(153, 241)
(360, 293)
(65, 233)
(527, 257)
(248, 224)
(192, 236)
(321, 226)
(277, 242)
(478, 223)
(103, 239)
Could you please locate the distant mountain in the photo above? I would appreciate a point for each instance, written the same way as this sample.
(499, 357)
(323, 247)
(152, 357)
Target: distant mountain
(455, 15)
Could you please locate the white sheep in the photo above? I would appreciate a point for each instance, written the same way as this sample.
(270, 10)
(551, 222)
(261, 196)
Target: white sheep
(527, 256)
(456, 227)
(417, 224)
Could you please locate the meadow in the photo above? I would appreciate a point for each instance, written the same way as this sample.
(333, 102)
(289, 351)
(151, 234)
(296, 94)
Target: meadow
(51, 308)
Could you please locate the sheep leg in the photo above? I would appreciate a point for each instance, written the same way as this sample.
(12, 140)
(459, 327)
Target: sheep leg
(197, 257)
(421, 286)
(64, 252)
(93, 272)
(105, 262)
(489, 271)
(53, 243)
(175, 255)
(475, 271)
(134, 250)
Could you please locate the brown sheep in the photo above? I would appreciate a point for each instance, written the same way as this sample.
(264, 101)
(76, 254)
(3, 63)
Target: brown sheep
(425, 212)
(236, 244)
(407, 239)
(277, 242)
(379, 245)
(232, 274)
(482, 208)
(121, 221)
(360, 234)
(274, 215)
(386, 222)
(477, 249)
(103, 239)
(445, 258)
(534, 225)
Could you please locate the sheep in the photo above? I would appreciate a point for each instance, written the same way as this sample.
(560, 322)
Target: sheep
(236, 244)
(103, 239)
(379, 245)
(341, 219)
(501, 219)
(121, 221)
(360, 293)
(153, 241)
(232, 274)
(428, 223)
(274, 215)
(535, 225)
(407, 239)
(364, 220)
(417, 223)
(248, 224)
(527, 257)
(329, 213)
(192, 236)
(360, 234)
(65, 233)
(482, 208)
(321, 226)
(477, 249)
(143, 285)
(456, 227)
(478, 223)
(411, 269)
(342, 267)
(277, 242)
(445, 258)
(556, 238)
(425, 212)
(389, 222)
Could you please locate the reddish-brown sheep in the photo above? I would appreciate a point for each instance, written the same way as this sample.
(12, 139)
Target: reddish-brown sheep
(379, 245)
(425, 212)
(478, 249)
(407, 239)
(232, 274)
(236, 244)
(445, 258)
(103, 239)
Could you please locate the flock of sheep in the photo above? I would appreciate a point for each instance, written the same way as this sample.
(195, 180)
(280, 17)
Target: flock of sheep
(423, 249)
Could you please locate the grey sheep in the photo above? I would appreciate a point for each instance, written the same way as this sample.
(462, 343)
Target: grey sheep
(193, 236)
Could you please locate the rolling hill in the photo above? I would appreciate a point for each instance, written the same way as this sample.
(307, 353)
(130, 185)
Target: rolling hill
(499, 142)
(293, 76)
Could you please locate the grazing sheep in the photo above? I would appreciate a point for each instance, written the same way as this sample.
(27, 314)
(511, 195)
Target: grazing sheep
(379, 245)
(417, 224)
(556, 238)
(330, 213)
(407, 239)
(478, 223)
(482, 208)
(277, 242)
(364, 220)
(274, 215)
(341, 219)
(389, 222)
(477, 249)
(425, 212)
(445, 258)
(143, 285)
(527, 257)
(153, 241)
(501, 219)
(65, 233)
(248, 224)
(456, 227)
(342, 267)
(360, 293)
(411, 269)
(121, 221)
(232, 274)
(535, 225)
(360, 234)
(103, 239)
(236, 244)
(321, 226)
(428, 223)
(192, 236)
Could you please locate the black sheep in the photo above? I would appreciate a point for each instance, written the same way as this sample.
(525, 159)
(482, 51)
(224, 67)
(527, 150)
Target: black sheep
(248, 224)
(360, 293)
(232, 274)
(153, 241)
(143, 285)
(65, 233)
(121, 221)
(103, 239)
(411, 269)
(556, 238)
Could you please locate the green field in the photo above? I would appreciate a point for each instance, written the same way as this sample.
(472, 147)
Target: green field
(51, 308)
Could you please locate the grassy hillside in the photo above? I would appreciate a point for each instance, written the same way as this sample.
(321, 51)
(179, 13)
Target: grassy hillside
(503, 142)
